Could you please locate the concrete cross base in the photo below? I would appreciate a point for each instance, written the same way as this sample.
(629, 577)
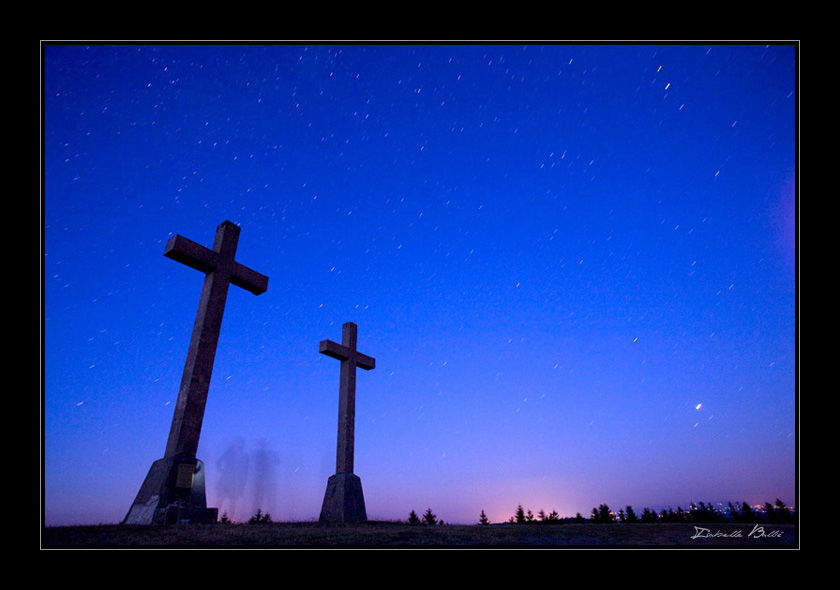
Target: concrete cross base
(172, 493)
(343, 501)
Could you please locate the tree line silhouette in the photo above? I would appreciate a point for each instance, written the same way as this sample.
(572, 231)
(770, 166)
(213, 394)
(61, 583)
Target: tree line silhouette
(701, 512)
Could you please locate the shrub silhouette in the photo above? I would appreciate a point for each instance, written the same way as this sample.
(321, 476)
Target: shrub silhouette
(602, 515)
(649, 516)
(782, 513)
(747, 514)
(260, 518)
(703, 513)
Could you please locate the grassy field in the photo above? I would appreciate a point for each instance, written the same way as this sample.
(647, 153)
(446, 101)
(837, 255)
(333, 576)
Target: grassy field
(399, 535)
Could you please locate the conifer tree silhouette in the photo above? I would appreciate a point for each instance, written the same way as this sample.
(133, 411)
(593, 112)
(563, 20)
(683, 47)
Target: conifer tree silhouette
(429, 517)
(747, 513)
(413, 518)
(649, 516)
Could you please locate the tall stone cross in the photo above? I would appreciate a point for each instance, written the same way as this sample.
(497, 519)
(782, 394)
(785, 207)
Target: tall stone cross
(344, 500)
(174, 486)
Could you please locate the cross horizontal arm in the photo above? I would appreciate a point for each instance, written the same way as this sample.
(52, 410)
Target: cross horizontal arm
(248, 279)
(192, 254)
(364, 361)
(343, 353)
(204, 259)
(333, 349)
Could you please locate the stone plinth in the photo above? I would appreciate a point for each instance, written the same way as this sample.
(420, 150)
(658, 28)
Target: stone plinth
(343, 500)
(173, 492)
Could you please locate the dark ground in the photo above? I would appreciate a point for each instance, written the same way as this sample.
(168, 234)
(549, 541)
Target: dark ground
(399, 535)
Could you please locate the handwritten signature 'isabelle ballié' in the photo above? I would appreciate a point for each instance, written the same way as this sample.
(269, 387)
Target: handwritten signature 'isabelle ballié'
(757, 532)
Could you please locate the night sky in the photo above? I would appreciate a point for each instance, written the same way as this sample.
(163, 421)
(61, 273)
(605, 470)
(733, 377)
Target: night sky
(574, 264)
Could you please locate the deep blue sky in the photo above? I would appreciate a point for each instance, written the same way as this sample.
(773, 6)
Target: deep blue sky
(574, 265)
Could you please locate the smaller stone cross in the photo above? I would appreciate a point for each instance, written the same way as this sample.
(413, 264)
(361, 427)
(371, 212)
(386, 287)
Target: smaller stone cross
(344, 501)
